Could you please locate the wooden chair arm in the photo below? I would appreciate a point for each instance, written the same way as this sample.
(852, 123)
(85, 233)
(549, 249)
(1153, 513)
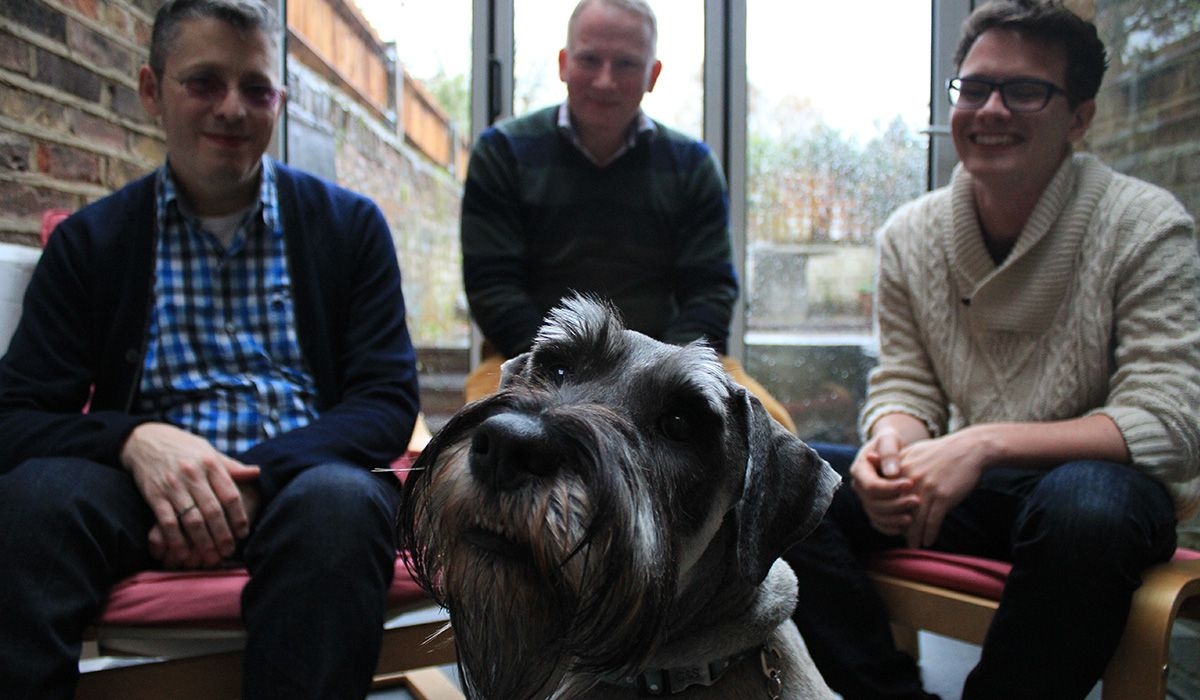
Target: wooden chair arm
(1138, 669)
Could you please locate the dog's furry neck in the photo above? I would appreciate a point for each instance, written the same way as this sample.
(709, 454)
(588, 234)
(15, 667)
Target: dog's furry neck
(714, 616)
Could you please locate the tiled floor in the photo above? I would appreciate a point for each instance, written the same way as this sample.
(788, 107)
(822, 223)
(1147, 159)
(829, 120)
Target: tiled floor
(945, 663)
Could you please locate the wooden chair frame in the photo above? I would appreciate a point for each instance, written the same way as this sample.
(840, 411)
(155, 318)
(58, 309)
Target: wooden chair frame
(1138, 669)
(410, 656)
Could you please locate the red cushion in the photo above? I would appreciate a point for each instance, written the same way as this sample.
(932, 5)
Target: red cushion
(50, 219)
(958, 572)
(1182, 554)
(206, 598)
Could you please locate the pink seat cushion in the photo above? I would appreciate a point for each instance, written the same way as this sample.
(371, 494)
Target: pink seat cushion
(958, 572)
(50, 219)
(207, 598)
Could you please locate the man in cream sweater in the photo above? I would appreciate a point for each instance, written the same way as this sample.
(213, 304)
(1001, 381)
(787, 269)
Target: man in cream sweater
(1038, 389)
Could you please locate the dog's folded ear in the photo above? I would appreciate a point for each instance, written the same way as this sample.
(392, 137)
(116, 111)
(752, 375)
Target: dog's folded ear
(786, 490)
(512, 367)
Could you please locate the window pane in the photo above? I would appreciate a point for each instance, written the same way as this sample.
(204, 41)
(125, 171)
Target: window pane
(540, 31)
(834, 145)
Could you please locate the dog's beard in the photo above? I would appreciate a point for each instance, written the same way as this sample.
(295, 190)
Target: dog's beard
(569, 574)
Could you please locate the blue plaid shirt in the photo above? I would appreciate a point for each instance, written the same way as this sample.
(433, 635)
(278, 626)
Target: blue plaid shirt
(223, 358)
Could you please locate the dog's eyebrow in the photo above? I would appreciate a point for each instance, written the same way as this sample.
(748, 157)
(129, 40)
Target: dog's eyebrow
(581, 327)
(696, 369)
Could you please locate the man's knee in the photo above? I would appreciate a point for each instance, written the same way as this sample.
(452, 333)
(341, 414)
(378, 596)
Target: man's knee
(332, 513)
(49, 490)
(1097, 506)
(338, 493)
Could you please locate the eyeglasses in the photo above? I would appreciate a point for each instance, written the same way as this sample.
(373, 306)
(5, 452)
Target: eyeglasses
(1023, 95)
(210, 88)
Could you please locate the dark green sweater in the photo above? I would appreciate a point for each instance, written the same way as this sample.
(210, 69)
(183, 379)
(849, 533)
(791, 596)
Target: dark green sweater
(649, 231)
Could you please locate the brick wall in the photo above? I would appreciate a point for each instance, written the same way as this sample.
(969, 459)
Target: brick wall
(1148, 111)
(71, 126)
(72, 130)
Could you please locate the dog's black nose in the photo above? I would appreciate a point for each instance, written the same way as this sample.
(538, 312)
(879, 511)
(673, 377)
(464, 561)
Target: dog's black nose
(509, 448)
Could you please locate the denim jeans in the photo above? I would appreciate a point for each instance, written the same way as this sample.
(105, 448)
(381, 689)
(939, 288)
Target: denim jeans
(1078, 537)
(320, 556)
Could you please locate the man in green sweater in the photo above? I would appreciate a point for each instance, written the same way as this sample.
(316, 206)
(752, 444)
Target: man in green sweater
(1038, 389)
(593, 196)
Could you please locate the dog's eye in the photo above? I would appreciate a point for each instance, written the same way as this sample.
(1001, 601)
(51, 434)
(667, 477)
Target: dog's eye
(676, 427)
(558, 373)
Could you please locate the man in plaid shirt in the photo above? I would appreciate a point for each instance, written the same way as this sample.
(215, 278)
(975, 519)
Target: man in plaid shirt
(235, 330)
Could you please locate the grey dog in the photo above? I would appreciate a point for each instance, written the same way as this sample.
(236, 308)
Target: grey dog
(609, 524)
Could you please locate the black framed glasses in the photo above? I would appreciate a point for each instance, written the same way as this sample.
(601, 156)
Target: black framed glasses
(212, 89)
(1021, 95)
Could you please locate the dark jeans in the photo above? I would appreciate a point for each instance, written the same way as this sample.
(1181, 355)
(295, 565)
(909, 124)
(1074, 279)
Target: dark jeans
(320, 557)
(1078, 537)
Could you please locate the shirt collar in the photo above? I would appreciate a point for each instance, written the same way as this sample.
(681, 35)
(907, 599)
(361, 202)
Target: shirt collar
(642, 125)
(268, 196)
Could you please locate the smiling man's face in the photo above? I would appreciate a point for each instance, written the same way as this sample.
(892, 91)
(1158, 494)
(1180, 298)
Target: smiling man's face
(998, 146)
(214, 141)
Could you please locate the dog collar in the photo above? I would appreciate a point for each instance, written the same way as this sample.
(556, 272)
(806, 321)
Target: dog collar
(669, 681)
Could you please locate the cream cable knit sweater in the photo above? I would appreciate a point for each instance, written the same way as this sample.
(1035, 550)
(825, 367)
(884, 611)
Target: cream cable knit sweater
(1096, 310)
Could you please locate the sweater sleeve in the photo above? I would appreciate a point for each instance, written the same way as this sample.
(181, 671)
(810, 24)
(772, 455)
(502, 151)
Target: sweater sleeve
(1154, 396)
(53, 363)
(495, 248)
(905, 380)
(705, 282)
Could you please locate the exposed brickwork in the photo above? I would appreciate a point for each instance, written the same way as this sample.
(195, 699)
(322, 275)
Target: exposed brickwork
(71, 126)
(1148, 111)
(37, 17)
(72, 129)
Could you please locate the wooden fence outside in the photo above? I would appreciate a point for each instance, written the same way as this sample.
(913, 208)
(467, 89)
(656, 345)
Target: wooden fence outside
(332, 38)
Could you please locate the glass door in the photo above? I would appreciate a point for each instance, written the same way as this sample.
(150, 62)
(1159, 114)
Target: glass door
(837, 113)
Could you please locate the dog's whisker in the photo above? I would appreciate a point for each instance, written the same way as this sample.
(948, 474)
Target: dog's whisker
(396, 470)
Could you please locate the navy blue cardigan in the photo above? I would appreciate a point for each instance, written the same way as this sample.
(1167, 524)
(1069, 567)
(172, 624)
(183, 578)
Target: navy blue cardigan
(86, 313)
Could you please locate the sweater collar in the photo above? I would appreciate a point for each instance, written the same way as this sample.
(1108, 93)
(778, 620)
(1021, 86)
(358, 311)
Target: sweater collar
(1020, 294)
(642, 125)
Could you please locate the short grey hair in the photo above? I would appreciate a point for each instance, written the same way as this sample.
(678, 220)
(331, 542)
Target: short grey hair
(637, 7)
(244, 15)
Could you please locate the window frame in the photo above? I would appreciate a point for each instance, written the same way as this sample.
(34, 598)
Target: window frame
(725, 104)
